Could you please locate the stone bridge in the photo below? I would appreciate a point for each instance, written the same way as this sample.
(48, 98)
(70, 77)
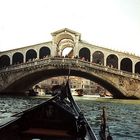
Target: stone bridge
(18, 78)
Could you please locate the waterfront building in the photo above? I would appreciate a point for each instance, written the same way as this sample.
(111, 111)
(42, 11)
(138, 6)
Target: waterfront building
(89, 87)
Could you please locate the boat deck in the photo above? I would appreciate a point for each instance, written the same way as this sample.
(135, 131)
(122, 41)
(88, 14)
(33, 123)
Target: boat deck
(47, 133)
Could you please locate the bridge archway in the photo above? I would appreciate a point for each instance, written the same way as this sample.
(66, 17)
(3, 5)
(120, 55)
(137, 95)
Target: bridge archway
(126, 64)
(33, 78)
(17, 58)
(98, 57)
(4, 61)
(31, 54)
(112, 61)
(44, 51)
(67, 52)
(137, 68)
(65, 47)
(63, 36)
(85, 53)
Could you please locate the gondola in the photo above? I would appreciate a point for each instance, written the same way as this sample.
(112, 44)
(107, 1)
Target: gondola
(59, 118)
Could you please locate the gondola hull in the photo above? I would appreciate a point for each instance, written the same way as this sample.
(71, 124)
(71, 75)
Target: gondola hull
(55, 119)
(47, 120)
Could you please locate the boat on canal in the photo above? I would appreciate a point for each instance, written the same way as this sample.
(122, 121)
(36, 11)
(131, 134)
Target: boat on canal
(58, 118)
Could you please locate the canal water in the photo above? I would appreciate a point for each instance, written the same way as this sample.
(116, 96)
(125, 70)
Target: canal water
(123, 116)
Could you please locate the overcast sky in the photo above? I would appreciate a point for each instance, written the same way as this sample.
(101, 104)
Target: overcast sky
(112, 24)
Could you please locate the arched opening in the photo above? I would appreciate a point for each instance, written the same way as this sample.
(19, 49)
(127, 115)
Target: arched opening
(79, 86)
(65, 48)
(67, 52)
(126, 64)
(112, 61)
(4, 61)
(98, 58)
(22, 84)
(30, 55)
(63, 36)
(137, 68)
(84, 53)
(17, 58)
(44, 51)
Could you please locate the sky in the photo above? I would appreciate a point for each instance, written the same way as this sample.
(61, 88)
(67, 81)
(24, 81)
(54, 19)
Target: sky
(113, 24)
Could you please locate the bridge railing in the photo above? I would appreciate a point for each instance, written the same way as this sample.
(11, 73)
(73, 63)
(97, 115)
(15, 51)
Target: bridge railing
(70, 62)
(86, 64)
(107, 69)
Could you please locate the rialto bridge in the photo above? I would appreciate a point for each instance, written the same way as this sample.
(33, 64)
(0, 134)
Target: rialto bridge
(117, 71)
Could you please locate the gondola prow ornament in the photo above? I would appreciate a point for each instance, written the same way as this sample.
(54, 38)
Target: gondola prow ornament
(81, 124)
(104, 129)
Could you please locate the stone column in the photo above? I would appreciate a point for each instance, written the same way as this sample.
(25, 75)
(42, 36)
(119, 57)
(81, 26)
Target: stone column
(53, 46)
(105, 57)
(133, 67)
(119, 64)
(11, 60)
(11, 57)
(91, 57)
(37, 50)
(134, 64)
(76, 48)
(54, 50)
(24, 57)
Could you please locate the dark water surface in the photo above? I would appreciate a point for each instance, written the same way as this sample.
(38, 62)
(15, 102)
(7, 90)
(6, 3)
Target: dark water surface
(123, 116)
(12, 105)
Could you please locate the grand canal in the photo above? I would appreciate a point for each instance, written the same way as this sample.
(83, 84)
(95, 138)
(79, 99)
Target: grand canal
(122, 115)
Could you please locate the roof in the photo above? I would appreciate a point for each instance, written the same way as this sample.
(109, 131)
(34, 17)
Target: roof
(65, 30)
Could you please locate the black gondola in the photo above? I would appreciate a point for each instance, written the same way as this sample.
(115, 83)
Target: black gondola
(58, 118)
(104, 132)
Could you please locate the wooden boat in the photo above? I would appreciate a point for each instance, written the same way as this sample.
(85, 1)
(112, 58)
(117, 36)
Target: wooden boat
(59, 118)
(79, 92)
(104, 132)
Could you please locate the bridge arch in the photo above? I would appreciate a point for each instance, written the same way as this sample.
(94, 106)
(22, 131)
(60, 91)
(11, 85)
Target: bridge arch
(98, 57)
(85, 53)
(126, 64)
(4, 61)
(112, 61)
(31, 54)
(63, 36)
(44, 51)
(17, 58)
(27, 80)
(137, 67)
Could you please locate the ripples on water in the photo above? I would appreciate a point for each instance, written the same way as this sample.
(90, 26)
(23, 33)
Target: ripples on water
(12, 105)
(123, 117)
